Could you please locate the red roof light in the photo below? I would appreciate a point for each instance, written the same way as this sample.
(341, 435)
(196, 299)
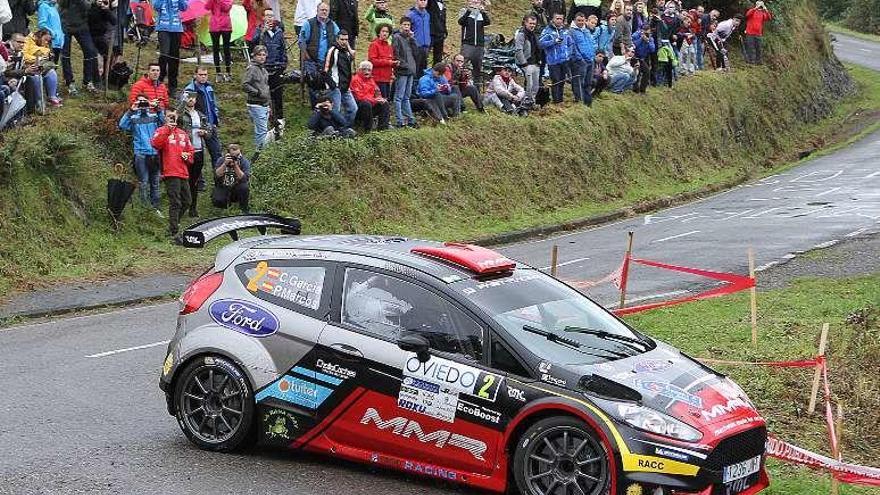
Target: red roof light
(477, 259)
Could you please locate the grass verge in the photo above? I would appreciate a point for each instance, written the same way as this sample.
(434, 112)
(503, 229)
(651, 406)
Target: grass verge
(838, 28)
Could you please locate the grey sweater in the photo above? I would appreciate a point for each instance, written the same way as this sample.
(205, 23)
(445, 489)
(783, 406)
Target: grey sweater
(256, 85)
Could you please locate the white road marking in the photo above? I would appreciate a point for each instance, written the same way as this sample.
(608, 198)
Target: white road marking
(875, 174)
(569, 262)
(827, 192)
(127, 349)
(739, 214)
(857, 232)
(756, 215)
(675, 236)
(656, 296)
(865, 50)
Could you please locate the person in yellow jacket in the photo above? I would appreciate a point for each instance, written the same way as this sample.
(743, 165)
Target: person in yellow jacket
(38, 51)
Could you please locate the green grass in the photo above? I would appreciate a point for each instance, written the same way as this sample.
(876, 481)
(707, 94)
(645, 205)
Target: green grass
(835, 27)
(789, 323)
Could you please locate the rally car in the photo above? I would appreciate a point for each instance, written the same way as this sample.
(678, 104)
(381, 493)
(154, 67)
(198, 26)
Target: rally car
(447, 360)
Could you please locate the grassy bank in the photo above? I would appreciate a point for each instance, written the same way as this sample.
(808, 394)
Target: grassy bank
(789, 323)
(836, 27)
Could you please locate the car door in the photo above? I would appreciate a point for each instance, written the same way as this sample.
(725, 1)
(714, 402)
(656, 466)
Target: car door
(418, 416)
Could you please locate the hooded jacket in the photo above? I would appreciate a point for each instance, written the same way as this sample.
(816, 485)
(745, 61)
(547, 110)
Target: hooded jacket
(381, 54)
(556, 53)
(48, 18)
(205, 100)
(602, 36)
(142, 124)
(755, 19)
(504, 89)
(364, 89)
(168, 15)
(583, 47)
(153, 91)
(171, 142)
(618, 64)
(405, 52)
(220, 21)
(32, 50)
(643, 48)
(276, 47)
(428, 84)
(256, 85)
(74, 15)
(473, 23)
(437, 9)
(421, 26)
(378, 18)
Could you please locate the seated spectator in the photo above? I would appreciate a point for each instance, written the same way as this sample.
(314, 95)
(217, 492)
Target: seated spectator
(621, 74)
(435, 88)
(38, 51)
(326, 122)
(142, 120)
(370, 101)
(503, 92)
(232, 174)
(460, 76)
(381, 54)
(21, 76)
(151, 86)
(340, 58)
(600, 73)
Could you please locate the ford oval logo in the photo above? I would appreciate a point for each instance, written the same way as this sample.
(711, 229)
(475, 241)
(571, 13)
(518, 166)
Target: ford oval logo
(244, 317)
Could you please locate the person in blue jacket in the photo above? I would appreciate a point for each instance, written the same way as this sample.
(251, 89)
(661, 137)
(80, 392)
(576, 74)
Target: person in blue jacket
(582, 54)
(170, 29)
(142, 120)
(421, 28)
(271, 35)
(601, 32)
(49, 19)
(556, 42)
(644, 46)
(435, 89)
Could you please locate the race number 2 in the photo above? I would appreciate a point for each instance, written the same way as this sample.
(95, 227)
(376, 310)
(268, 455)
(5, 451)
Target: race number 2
(487, 386)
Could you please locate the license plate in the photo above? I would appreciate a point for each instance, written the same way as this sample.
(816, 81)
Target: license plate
(742, 469)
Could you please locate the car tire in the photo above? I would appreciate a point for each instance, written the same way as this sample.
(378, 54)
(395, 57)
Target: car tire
(554, 453)
(214, 405)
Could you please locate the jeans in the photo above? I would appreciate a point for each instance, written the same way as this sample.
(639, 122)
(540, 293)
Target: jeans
(532, 79)
(178, 201)
(169, 58)
(557, 76)
(698, 46)
(345, 104)
(260, 117)
(385, 89)
(621, 82)
(753, 49)
(578, 71)
(50, 79)
(215, 47)
(402, 108)
(147, 169)
(90, 57)
(587, 83)
(212, 143)
(688, 63)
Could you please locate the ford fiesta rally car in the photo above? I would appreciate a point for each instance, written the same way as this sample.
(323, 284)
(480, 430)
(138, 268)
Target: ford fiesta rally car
(446, 360)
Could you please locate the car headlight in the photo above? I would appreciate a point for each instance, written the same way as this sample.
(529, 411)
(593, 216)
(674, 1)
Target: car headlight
(647, 419)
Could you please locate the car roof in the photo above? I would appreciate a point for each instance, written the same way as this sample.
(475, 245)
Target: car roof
(383, 248)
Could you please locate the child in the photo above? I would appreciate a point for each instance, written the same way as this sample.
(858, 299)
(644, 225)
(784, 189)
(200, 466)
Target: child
(667, 61)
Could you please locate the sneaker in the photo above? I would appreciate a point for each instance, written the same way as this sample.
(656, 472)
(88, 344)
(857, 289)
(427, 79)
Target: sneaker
(219, 78)
(159, 213)
(90, 87)
(55, 102)
(200, 185)
(228, 77)
(413, 125)
(71, 89)
(443, 121)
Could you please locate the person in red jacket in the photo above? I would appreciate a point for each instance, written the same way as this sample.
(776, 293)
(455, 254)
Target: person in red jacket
(177, 153)
(755, 19)
(381, 55)
(150, 86)
(369, 98)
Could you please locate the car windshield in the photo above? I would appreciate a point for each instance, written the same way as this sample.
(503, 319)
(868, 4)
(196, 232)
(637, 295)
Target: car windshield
(553, 320)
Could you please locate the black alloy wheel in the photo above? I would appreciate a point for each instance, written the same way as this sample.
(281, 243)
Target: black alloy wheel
(561, 456)
(214, 404)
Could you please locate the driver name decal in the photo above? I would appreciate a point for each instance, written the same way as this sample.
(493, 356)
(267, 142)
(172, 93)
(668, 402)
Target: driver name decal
(244, 317)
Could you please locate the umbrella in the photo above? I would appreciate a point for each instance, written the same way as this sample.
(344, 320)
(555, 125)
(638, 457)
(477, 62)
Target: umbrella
(118, 193)
(15, 104)
(194, 10)
(239, 25)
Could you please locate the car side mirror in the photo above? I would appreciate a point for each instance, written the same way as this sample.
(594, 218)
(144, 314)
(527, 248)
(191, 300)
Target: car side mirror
(414, 342)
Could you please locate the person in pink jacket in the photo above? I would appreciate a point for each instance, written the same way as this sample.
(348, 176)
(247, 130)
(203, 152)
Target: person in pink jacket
(220, 27)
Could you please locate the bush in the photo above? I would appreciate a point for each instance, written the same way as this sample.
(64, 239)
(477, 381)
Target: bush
(864, 16)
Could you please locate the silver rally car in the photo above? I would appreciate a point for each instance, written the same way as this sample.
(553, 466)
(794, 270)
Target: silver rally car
(446, 360)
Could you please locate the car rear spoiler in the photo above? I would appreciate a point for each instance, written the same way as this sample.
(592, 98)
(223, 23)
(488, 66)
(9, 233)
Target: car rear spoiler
(199, 234)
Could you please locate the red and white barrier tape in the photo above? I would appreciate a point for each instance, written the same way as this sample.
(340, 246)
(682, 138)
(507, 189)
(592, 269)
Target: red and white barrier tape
(842, 471)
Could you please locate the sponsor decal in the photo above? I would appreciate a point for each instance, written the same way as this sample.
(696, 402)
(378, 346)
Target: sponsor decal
(605, 367)
(169, 362)
(653, 366)
(672, 454)
(735, 424)
(430, 399)
(651, 464)
(335, 370)
(300, 285)
(670, 391)
(247, 318)
(719, 410)
(498, 283)
(559, 382)
(479, 412)
(192, 239)
(233, 225)
(411, 429)
(544, 367)
(457, 377)
(296, 391)
(516, 394)
(429, 470)
(280, 424)
(634, 489)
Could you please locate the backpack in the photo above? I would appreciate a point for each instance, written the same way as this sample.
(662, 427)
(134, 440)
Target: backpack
(119, 75)
(142, 12)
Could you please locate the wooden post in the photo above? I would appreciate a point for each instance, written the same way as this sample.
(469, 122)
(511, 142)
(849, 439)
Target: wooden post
(624, 274)
(754, 302)
(554, 258)
(823, 341)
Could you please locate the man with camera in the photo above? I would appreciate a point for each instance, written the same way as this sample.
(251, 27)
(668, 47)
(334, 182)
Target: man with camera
(755, 19)
(142, 120)
(232, 175)
(199, 129)
(326, 122)
(177, 152)
(149, 85)
(557, 44)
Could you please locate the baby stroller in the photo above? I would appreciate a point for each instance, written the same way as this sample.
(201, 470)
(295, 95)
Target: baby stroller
(141, 22)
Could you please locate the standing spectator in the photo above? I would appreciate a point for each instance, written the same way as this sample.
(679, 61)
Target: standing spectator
(421, 28)
(640, 16)
(623, 31)
(38, 51)
(688, 57)
(370, 101)
(553, 7)
(437, 9)
(198, 128)
(586, 7)
(255, 9)
(621, 74)
(581, 63)
(271, 36)
(598, 32)
(381, 55)
(473, 21)
(644, 46)
(305, 10)
(406, 52)
(220, 27)
(74, 21)
(616, 7)
(170, 29)
(666, 64)
(150, 86)
(718, 40)
(207, 104)
(256, 87)
(20, 22)
(706, 21)
(49, 19)
(377, 15)
(176, 151)
(461, 77)
(232, 174)
(345, 14)
(600, 73)
(755, 19)
(528, 53)
(340, 59)
(326, 122)
(315, 38)
(503, 92)
(557, 44)
(142, 120)
(102, 24)
(540, 14)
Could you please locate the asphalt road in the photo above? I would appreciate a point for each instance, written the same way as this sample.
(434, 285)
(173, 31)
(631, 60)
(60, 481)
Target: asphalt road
(857, 51)
(81, 411)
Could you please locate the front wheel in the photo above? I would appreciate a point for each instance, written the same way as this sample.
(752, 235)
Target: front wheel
(561, 456)
(215, 405)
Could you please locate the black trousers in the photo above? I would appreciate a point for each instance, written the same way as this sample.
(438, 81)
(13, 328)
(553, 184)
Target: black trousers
(276, 89)
(366, 111)
(169, 59)
(644, 77)
(178, 201)
(437, 48)
(195, 173)
(599, 84)
(222, 196)
(473, 93)
(227, 53)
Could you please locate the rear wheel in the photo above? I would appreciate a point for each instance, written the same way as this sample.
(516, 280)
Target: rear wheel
(215, 405)
(561, 456)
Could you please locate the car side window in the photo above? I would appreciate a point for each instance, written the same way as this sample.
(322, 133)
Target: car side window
(504, 360)
(386, 306)
(285, 283)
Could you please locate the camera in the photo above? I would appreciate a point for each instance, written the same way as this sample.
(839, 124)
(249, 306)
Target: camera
(144, 104)
(229, 175)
